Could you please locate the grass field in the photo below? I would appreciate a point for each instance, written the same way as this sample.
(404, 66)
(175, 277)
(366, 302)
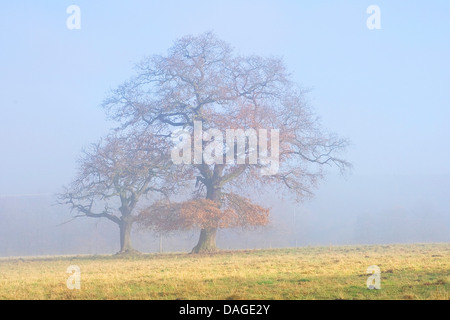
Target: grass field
(419, 271)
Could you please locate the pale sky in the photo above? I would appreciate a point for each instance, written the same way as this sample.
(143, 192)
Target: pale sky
(387, 90)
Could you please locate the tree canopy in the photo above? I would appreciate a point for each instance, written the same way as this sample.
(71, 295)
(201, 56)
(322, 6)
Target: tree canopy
(248, 122)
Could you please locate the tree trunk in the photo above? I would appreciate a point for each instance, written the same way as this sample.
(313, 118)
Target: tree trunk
(125, 236)
(207, 241)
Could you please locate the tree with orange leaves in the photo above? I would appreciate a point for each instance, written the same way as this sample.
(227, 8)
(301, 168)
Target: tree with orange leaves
(235, 211)
(201, 80)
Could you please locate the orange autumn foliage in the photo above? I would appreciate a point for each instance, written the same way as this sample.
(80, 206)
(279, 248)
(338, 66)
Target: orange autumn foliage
(236, 211)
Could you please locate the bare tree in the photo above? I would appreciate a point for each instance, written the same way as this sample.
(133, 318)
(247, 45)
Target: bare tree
(114, 174)
(200, 79)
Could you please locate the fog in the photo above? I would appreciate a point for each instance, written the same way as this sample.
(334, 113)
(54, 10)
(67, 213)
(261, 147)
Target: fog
(344, 211)
(385, 90)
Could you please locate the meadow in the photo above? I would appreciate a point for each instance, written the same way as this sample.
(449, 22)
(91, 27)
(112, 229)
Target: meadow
(408, 271)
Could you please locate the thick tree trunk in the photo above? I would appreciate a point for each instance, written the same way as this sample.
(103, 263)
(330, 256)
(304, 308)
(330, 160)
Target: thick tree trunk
(125, 236)
(207, 241)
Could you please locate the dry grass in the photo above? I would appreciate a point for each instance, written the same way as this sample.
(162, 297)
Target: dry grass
(419, 271)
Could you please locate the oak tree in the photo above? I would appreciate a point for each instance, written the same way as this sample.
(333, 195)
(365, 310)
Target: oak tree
(202, 81)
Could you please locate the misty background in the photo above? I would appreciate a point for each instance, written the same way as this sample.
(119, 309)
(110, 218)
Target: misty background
(386, 90)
